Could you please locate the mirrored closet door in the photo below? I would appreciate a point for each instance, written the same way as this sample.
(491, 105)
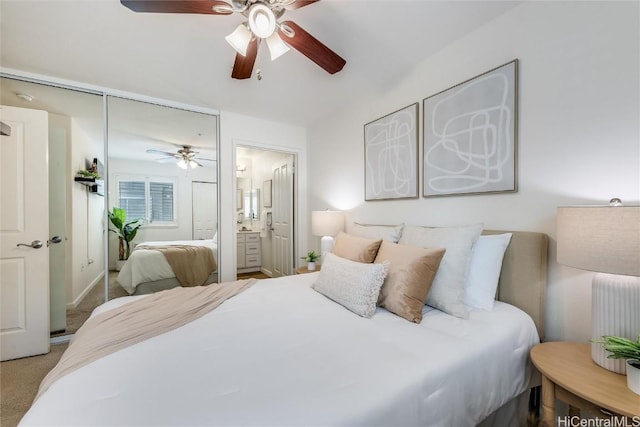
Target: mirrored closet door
(162, 192)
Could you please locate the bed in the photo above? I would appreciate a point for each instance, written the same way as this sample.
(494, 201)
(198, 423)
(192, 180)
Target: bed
(282, 353)
(147, 270)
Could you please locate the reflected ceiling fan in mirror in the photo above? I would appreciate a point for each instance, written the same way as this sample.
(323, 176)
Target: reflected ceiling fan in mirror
(262, 24)
(185, 157)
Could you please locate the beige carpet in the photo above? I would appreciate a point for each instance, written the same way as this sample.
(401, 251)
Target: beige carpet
(19, 382)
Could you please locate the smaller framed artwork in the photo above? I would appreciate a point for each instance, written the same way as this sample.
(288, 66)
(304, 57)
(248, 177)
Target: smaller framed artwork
(391, 156)
(266, 193)
(470, 135)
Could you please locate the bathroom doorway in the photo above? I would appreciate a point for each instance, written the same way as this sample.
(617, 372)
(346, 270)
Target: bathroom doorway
(265, 211)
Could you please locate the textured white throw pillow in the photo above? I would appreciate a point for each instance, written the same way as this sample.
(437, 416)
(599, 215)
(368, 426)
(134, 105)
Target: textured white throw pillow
(447, 291)
(484, 271)
(354, 285)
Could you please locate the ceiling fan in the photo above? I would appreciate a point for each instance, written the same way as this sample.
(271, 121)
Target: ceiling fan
(262, 24)
(186, 157)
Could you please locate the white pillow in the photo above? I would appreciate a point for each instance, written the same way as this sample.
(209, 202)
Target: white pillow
(484, 270)
(447, 291)
(390, 233)
(354, 285)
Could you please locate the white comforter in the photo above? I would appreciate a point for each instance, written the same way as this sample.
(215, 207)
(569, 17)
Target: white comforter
(282, 354)
(145, 265)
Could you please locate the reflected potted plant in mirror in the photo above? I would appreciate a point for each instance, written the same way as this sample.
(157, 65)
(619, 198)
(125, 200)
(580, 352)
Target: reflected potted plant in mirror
(623, 348)
(311, 259)
(126, 232)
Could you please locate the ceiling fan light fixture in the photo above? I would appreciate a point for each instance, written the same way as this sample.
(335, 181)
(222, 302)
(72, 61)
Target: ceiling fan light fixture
(262, 21)
(192, 164)
(277, 47)
(182, 164)
(239, 39)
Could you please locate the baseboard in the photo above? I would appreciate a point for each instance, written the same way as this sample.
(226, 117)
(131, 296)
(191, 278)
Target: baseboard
(266, 271)
(61, 339)
(83, 294)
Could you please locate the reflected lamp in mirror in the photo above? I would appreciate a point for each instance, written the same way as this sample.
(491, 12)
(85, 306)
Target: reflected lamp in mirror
(606, 240)
(326, 224)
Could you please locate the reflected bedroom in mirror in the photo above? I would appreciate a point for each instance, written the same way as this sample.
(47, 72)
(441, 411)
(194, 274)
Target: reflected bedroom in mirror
(162, 198)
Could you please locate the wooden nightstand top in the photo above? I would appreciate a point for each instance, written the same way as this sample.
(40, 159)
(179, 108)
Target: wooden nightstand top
(303, 270)
(569, 365)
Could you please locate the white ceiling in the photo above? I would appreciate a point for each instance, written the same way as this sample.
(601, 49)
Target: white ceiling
(184, 58)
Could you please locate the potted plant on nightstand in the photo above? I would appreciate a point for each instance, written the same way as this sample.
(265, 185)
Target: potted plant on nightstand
(623, 348)
(311, 258)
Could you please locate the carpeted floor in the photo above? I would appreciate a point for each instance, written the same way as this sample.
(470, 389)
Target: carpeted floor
(19, 382)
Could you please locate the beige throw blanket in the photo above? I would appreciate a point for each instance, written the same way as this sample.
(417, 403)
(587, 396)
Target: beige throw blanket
(139, 320)
(192, 265)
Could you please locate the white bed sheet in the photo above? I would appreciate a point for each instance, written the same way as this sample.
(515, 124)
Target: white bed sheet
(145, 265)
(282, 354)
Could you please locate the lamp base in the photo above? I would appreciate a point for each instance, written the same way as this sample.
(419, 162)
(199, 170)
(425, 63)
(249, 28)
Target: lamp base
(616, 311)
(326, 245)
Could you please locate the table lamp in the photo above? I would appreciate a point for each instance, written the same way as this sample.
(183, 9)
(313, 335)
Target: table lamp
(605, 239)
(326, 224)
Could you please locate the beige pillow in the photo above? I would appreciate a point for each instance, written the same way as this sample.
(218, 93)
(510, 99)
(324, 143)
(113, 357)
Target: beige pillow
(358, 249)
(411, 273)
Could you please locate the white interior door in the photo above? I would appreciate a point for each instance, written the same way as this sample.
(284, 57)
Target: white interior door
(24, 231)
(282, 236)
(205, 210)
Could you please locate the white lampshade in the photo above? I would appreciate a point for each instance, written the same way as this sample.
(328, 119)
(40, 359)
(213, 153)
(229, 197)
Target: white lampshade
(605, 239)
(327, 223)
(277, 47)
(239, 39)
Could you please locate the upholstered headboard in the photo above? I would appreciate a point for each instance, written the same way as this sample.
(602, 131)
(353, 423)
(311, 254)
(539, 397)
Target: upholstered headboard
(523, 279)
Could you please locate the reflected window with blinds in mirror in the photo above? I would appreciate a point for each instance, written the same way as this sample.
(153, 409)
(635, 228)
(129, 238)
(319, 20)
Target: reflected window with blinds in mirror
(150, 198)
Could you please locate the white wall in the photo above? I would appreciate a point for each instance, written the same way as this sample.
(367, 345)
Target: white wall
(184, 179)
(578, 132)
(240, 130)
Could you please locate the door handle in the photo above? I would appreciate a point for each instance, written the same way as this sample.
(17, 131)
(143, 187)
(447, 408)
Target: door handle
(54, 239)
(36, 244)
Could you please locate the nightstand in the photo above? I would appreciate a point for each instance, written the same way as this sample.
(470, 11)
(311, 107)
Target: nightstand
(570, 375)
(304, 270)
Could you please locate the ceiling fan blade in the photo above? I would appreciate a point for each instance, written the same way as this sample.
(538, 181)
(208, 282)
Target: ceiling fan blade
(243, 66)
(164, 153)
(166, 160)
(312, 48)
(204, 159)
(297, 4)
(179, 6)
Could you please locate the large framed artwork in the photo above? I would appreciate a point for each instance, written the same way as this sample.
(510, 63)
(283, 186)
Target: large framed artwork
(470, 135)
(391, 155)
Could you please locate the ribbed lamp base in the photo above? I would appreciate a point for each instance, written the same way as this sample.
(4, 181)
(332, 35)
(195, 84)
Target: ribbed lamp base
(616, 311)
